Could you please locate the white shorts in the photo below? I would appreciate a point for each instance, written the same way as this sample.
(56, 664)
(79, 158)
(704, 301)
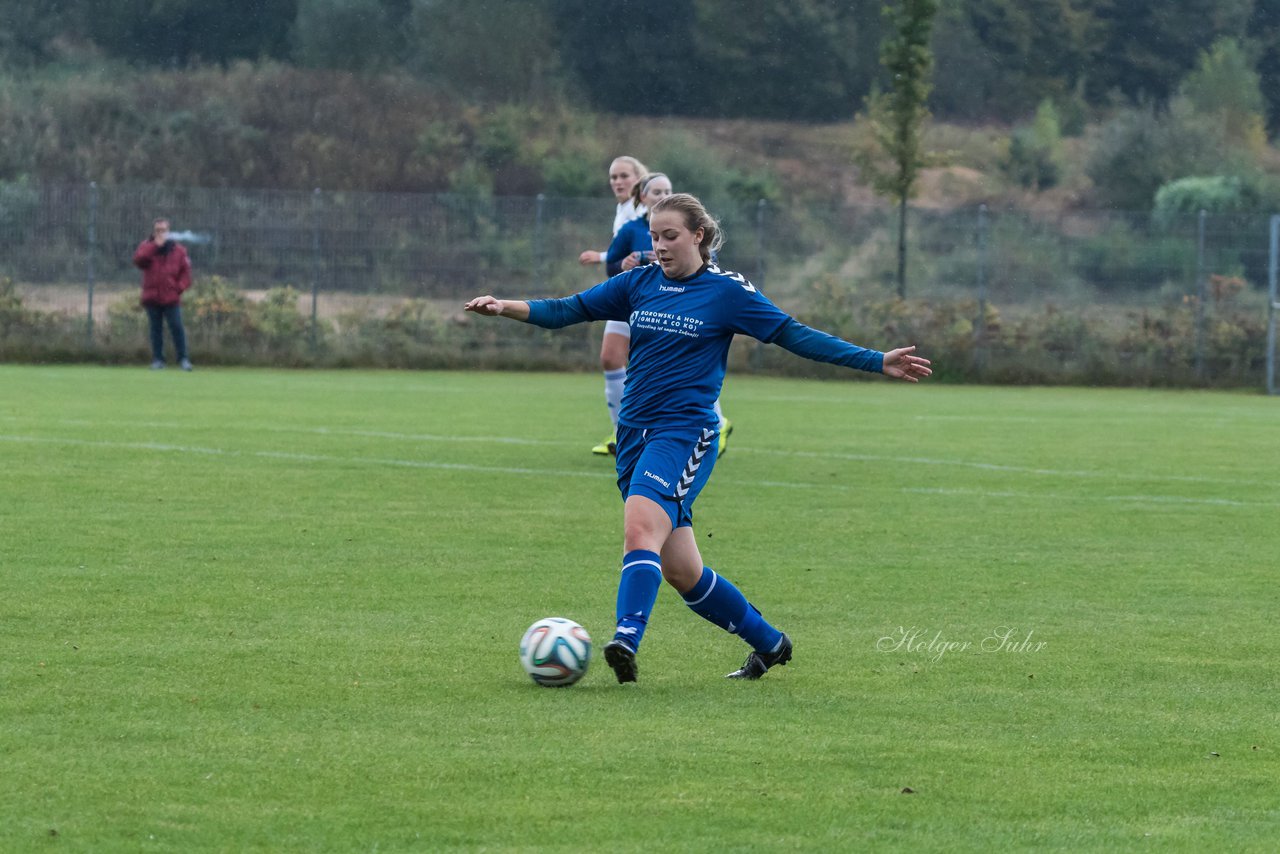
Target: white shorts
(617, 327)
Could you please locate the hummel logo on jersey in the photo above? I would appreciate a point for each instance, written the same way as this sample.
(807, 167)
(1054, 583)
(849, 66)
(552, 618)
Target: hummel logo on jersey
(671, 289)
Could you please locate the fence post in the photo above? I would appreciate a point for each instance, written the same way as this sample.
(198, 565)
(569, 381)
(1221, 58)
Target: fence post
(315, 270)
(1273, 304)
(902, 248)
(93, 242)
(755, 358)
(980, 328)
(761, 205)
(1200, 295)
(537, 242)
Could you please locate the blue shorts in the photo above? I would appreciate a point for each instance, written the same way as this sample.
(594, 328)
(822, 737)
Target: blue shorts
(667, 464)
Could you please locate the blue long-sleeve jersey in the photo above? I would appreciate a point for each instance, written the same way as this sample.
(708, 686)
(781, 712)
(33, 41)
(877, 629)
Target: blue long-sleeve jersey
(681, 330)
(632, 237)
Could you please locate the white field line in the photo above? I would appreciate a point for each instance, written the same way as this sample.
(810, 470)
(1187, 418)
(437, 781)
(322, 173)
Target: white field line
(1122, 499)
(738, 449)
(1150, 500)
(317, 431)
(998, 467)
(309, 458)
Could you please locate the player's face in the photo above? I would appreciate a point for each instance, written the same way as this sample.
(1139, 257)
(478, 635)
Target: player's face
(654, 190)
(622, 178)
(675, 245)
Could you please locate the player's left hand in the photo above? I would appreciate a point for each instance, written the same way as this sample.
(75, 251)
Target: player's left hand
(903, 364)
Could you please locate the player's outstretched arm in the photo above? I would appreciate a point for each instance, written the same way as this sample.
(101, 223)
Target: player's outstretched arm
(491, 307)
(903, 364)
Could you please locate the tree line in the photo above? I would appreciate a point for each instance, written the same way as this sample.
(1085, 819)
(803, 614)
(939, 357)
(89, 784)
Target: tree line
(805, 60)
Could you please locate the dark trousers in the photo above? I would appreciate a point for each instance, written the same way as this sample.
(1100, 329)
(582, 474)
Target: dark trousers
(157, 315)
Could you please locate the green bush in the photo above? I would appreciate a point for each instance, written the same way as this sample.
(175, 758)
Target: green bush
(279, 329)
(14, 316)
(26, 333)
(572, 175)
(245, 125)
(1035, 151)
(472, 181)
(1073, 111)
(1010, 344)
(500, 137)
(1216, 194)
(218, 310)
(1140, 149)
(126, 327)
(1225, 86)
(695, 168)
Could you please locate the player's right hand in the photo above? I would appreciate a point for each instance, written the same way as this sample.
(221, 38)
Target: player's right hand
(485, 305)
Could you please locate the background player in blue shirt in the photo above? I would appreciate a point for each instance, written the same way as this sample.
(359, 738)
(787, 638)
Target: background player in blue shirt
(683, 312)
(631, 246)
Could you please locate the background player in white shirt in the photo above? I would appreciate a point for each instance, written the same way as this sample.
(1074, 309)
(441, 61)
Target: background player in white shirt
(624, 173)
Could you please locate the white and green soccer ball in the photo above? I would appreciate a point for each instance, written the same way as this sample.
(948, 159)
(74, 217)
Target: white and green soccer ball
(555, 651)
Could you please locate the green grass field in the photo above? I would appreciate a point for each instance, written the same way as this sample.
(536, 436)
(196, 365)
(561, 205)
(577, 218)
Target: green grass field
(265, 610)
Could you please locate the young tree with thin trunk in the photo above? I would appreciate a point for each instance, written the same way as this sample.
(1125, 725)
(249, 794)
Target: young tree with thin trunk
(898, 116)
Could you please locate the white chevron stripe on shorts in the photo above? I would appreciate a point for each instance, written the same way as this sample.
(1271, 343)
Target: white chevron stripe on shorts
(695, 462)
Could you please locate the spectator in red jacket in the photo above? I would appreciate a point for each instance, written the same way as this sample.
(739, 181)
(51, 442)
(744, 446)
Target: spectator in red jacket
(166, 273)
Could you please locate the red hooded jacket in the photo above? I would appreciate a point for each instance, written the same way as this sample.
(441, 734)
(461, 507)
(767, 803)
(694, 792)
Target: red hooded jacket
(164, 275)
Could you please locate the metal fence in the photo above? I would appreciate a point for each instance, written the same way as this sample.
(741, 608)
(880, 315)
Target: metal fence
(69, 249)
(1273, 304)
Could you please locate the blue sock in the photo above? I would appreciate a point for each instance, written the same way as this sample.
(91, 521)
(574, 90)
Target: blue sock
(637, 593)
(714, 598)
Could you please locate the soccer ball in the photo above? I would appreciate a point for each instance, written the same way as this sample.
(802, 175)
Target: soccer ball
(555, 651)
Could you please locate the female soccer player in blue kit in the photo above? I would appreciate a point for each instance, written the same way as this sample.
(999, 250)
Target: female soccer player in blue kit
(683, 312)
(633, 247)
